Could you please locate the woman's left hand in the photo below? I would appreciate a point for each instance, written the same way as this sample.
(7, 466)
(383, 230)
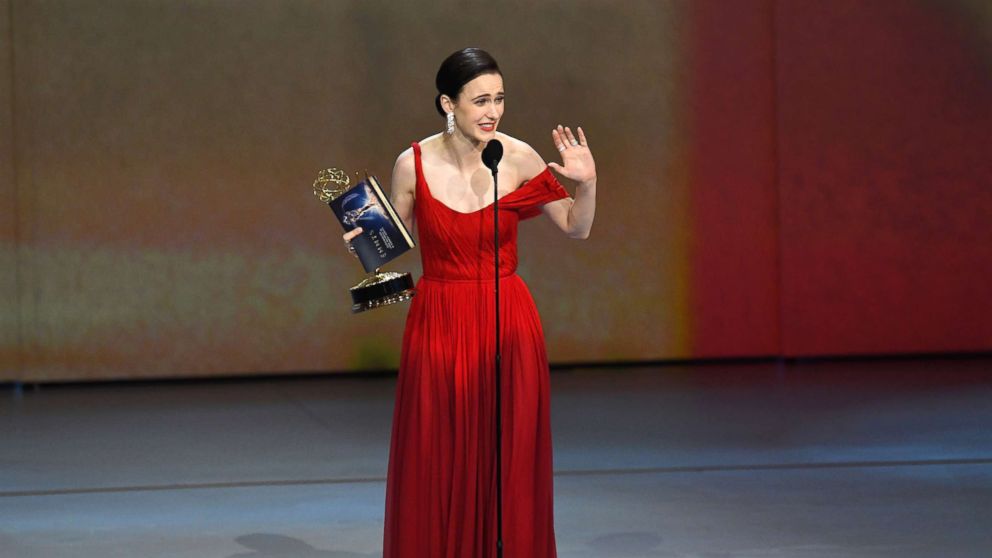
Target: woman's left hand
(577, 163)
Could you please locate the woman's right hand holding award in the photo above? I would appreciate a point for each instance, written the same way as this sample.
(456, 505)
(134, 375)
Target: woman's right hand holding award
(373, 233)
(348, 236)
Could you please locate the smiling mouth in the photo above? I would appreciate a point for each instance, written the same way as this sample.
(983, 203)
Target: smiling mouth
(489, 127)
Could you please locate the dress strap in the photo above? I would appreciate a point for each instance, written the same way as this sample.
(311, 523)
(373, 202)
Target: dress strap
(416, 159)
(422, 192)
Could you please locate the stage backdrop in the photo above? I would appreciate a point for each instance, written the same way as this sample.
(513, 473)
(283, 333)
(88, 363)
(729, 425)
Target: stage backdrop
(775, 177)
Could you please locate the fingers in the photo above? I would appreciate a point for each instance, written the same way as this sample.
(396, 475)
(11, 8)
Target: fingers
(556, 167)
(565, 139)
(571, 138)
(348, 236)
(352, 234)
(559, 141)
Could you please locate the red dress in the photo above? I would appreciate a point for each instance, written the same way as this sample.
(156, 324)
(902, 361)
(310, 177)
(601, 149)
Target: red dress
(441, 487)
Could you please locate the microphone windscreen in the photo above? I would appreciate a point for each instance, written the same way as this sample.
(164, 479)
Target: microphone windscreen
(492, 154)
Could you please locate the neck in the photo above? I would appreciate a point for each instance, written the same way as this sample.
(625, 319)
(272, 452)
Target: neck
(466, 152)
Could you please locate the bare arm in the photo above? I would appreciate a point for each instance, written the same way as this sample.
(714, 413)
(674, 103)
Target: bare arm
(574, 216)
(403, 187)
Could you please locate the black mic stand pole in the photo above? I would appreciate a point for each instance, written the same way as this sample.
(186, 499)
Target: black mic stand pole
(499, 408)
(491, 156)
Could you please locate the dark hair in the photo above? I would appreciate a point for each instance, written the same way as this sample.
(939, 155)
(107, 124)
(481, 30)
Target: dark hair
(460, 68)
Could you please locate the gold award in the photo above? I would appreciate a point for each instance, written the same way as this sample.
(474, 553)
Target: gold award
(377, 244)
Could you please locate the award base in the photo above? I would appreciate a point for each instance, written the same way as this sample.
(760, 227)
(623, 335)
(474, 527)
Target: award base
(381, 289)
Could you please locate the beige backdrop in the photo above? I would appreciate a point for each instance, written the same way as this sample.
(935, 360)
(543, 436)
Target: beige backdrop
(160, 222)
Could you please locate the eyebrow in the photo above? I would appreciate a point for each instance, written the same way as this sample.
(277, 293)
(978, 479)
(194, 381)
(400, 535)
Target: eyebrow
(476, 98)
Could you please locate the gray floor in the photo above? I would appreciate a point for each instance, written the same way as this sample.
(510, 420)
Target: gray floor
(881, 458)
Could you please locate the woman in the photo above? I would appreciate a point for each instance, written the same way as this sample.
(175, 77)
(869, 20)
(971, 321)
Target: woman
(441, 490)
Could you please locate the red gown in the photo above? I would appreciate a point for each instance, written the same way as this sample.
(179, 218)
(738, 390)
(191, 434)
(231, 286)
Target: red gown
(441, 488)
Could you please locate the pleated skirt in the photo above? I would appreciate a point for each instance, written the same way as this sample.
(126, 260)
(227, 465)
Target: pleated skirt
(441, 483)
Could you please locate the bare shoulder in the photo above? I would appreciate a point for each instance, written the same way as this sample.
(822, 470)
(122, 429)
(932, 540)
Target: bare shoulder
(430, 144)
(525, 159)
(405, 162)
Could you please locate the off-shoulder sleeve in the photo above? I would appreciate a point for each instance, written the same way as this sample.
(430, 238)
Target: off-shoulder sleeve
(528, 199)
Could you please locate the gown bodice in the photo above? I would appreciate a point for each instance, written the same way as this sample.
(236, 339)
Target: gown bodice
(459, 246)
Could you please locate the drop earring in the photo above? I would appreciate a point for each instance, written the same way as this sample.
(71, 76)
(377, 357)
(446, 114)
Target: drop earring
(450, 129)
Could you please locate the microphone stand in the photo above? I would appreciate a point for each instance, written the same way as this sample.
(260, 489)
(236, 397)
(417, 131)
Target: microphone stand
(491, 156)
(499, 408)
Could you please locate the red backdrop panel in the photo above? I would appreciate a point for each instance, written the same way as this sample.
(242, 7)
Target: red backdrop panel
(885, 174)
(733, 243)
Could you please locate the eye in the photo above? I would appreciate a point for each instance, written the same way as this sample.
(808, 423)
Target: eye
(499, 100)
(480, 102)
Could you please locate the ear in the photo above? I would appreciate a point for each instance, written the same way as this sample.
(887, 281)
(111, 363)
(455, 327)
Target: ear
(447, 104)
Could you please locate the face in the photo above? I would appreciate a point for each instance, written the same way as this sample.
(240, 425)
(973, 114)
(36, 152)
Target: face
(479, 107)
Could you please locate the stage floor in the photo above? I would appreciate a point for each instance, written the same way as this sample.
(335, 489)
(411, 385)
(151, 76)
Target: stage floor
(816, 459)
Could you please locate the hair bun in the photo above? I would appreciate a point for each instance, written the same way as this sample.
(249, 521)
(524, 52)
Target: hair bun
(460, 68)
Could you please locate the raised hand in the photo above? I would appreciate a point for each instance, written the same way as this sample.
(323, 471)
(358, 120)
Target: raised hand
(577, 162)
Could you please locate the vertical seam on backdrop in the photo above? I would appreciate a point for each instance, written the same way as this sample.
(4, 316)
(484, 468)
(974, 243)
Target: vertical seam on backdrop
(19, 359)
(777, 172)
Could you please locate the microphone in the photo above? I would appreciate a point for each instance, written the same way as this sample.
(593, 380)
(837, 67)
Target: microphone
(492, 154)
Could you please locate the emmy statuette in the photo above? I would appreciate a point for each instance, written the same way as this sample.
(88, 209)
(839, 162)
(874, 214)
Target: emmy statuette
(383, 238)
